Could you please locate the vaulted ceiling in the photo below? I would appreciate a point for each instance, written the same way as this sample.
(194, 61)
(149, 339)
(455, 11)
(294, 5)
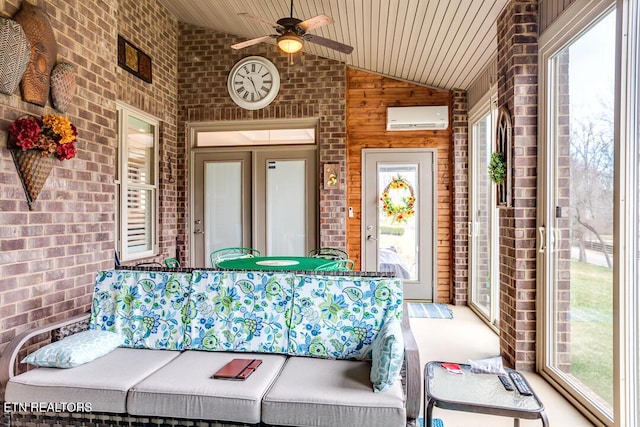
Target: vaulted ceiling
(439, 43)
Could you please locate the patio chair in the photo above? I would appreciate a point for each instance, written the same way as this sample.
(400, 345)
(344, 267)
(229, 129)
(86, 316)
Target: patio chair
(337, 265)
(232, 253)
(148, 264)
(172, 263)
(328, 253)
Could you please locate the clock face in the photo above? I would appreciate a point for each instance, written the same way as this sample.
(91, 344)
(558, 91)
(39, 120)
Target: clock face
(253, 82)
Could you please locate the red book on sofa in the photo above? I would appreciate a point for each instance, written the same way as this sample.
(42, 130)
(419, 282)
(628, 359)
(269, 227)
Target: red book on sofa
(237, 369)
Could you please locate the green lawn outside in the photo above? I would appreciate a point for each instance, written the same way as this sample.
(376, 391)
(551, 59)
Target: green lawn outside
(592, 327)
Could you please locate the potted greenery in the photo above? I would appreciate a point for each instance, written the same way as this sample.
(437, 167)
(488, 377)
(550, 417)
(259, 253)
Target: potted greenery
(497, 168)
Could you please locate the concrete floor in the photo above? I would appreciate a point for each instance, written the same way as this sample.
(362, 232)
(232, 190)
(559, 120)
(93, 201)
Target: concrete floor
(466, 337)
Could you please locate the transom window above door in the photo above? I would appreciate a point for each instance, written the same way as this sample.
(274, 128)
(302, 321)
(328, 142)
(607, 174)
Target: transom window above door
(258, 133)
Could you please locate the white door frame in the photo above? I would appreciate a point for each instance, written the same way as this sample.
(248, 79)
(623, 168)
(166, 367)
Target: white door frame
(431, 253)
(490, 315)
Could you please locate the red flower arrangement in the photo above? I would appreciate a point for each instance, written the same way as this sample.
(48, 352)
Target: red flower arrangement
(52, 134)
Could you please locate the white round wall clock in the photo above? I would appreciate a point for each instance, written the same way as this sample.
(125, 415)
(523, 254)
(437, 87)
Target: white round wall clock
(253, 82)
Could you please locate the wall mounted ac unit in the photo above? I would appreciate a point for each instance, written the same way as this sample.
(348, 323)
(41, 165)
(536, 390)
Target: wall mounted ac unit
(417, 118)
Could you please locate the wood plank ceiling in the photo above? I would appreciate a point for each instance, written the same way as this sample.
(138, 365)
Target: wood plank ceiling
(438, 43)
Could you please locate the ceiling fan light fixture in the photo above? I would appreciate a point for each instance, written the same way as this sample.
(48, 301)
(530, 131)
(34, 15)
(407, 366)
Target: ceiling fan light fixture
(290, 43)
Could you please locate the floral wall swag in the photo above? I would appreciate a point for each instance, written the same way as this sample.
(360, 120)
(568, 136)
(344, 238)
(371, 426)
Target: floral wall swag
(53, 134)
(35, 144)
(398, 200)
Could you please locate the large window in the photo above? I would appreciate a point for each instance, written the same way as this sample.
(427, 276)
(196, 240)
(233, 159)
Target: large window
(581, 248)
(483, 224)
(137, 184)
(589, 263)
(629, 212)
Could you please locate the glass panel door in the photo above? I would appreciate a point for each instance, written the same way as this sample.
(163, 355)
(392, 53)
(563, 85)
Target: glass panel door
(259, 198)
(223, 210)
(286, 207)
(222, 203)
(483, 230)
(579, 242)
(285, 200)
(397, 220)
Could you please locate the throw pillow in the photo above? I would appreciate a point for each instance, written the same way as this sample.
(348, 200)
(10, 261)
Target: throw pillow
(75, 349)
(387, 356)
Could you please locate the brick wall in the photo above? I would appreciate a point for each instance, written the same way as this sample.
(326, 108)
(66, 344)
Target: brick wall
(460, 130)
(49, 256)
(313, 89)
(517, 90)
(152, 29)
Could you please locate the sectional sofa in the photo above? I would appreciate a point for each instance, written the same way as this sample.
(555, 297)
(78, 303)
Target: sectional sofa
(336, 350)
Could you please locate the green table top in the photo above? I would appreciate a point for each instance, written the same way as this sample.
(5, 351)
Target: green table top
(273, 263)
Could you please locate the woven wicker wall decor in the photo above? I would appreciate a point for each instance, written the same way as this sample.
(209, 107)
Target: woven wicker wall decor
(44, 51)
(63, 86)
(14, 55)
(33, 169)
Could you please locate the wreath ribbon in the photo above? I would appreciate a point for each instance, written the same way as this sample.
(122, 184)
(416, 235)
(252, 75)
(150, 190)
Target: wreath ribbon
(399, 207)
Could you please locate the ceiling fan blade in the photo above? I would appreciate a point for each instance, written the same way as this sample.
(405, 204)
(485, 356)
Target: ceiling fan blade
(315, 22)
(264, 21)
(251, 42)
(331, 44)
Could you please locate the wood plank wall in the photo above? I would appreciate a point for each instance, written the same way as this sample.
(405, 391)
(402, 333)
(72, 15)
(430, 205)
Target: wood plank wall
(368, 96)
(480, 88)
(549, 10)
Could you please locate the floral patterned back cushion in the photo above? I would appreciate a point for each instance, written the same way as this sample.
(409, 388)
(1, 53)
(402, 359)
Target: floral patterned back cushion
(239, 311)
(147, 308)
(337, 317)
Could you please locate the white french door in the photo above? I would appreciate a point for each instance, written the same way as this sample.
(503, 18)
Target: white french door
(257, 197)
(577, 233)
(222, 203)
(483, 217)
(399, 212)
(285, 201)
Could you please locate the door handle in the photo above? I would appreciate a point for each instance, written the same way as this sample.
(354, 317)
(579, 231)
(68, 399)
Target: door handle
(370, 237)
(198, 231)
(542, 246)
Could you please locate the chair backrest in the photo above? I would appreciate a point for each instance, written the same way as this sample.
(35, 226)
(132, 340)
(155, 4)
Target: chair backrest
(232, 253)
(328, 253)
(337, 265)
(172, 263)
(149, 264)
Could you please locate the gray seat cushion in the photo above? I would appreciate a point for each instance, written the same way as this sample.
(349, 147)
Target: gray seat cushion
(103, 383)
(319, 392)
(184, 388)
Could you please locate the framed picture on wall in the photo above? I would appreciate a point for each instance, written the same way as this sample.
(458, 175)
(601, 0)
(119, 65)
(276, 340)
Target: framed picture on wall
(331, 176)
(134, 60)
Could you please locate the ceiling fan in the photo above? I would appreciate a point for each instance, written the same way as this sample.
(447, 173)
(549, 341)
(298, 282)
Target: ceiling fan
(292, 32)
